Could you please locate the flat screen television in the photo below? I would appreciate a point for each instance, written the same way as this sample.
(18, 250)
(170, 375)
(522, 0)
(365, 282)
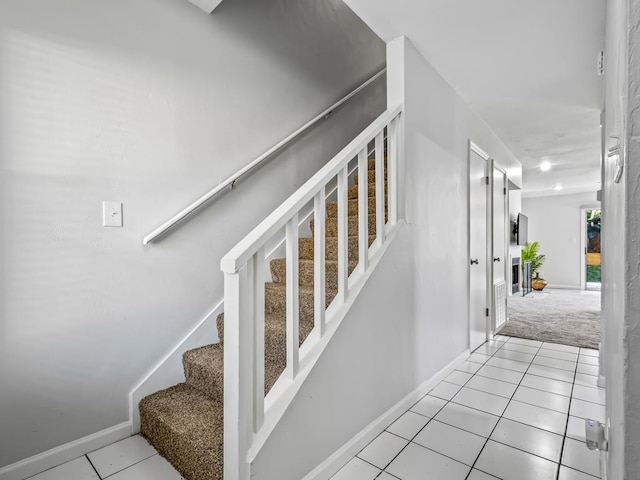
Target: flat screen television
(522, 229)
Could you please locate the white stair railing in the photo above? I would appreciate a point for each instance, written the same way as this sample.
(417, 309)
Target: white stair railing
(248, 416)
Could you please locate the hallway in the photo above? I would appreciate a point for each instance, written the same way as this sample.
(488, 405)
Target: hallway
(515, 410)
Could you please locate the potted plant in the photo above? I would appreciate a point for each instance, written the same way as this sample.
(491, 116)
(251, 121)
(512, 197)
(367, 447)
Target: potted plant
(531, 253)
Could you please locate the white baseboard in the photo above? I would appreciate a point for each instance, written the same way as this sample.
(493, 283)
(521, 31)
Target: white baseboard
(340, 457)
(65, 453)
(169, 370)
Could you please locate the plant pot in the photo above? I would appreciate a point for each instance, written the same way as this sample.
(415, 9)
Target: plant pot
(538, 284)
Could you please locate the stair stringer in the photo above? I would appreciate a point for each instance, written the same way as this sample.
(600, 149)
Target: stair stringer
(169, 370)
(285, 394)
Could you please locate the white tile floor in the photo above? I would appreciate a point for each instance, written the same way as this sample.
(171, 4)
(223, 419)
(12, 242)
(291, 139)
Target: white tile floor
(515, 410)
(130, 459)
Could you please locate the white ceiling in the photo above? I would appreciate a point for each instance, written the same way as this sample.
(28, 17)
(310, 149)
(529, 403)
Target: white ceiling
(528, 68)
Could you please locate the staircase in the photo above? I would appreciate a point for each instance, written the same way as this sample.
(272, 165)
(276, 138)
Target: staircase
(185, 422)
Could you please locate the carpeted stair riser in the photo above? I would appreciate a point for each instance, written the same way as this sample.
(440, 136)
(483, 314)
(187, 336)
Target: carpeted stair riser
(204, 366)
(371, 177)
(305, 272)
(185, 427)
(352, 191)
(331, 226)
(352, 208)
(275, 300)
(306, 248)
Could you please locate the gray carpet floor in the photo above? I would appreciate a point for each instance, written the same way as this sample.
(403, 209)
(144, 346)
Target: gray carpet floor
(571, 317)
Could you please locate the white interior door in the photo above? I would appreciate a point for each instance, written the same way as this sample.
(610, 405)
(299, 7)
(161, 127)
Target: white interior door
(478, 305)
(499, 248)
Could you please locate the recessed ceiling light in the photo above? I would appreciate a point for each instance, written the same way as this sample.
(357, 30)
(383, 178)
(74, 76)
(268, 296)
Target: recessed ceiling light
(557, 188)
(545, 166)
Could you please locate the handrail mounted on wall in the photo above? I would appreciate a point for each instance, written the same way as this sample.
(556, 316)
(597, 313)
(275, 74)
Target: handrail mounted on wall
(230, 182)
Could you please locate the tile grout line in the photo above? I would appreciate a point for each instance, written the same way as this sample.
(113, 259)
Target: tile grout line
(92, 466)
(501, 416)
(425, 426)
(566, 427)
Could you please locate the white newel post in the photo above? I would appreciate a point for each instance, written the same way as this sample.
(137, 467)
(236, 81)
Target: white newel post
(258, 339)
(238, 369)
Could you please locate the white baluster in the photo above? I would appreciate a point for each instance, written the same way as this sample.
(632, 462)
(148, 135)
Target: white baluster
(392, 171)
(380, 220)
(319, 204)
(238, 369)
(258, 339)
(293, 327)
(343, 244)
(363, 210)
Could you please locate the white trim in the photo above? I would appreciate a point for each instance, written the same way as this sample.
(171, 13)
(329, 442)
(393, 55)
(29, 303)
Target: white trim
(475, 148)
(341, 456)
(564, 287)
(65, 453)
(168, 371)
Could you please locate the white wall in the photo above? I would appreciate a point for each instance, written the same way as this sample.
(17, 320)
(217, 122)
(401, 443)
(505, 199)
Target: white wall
(556, 223)
(621, 252)
(438, 127)
(411, 319)
(152, 103)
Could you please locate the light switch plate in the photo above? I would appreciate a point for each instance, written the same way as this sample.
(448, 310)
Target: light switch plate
(111, 214)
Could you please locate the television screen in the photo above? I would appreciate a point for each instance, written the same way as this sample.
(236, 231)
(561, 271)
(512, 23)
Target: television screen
(523, 229)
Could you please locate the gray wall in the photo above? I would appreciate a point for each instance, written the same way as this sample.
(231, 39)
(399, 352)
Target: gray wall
(152, 103)
(556, 223)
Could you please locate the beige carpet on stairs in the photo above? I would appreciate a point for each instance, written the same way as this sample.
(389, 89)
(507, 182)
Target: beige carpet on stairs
(185, 422)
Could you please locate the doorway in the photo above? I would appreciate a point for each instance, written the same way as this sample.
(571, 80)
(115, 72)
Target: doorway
(499, 244)
(478, 269)
(592, 264)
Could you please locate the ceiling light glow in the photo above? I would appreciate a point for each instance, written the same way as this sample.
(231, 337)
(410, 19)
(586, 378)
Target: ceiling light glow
(545, 166)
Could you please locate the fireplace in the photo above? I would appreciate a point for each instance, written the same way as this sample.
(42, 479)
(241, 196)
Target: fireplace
(515, 275)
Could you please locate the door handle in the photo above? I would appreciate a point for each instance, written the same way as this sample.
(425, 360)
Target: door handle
(474, 260)
(496, 259)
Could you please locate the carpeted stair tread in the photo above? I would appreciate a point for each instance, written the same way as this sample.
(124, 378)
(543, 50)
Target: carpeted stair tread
(204, 366)
(352, 191)
(306, 271)
(372, 163)
(276, 295)
(306, 247)
(352, 208)
(371, 176)
(186, 428)
(331, 225)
